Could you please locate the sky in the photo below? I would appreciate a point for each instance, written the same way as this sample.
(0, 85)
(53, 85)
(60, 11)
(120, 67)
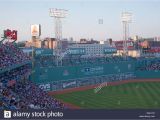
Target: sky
(82, 20)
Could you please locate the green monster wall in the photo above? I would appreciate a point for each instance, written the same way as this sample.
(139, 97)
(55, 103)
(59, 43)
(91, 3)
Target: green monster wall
(47, 75)
(148, 74)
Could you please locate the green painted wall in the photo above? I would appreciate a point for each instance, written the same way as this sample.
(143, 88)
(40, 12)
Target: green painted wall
(148, 74)
(46, 75)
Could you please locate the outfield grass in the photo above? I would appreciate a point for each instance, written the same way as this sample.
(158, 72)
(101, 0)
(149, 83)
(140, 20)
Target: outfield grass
(130, 95)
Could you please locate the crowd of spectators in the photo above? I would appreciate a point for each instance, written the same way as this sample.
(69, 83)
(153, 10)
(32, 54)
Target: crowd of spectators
(35, 97)
(9, 99)
(11, 55)
(20, 93)
(150, 64)
(46, 61)
(16, 90)
(26, 95)
(93, 60)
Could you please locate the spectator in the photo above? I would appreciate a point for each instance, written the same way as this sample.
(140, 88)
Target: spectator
(16, 91)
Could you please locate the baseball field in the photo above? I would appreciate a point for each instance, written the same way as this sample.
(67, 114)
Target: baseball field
(134, 95)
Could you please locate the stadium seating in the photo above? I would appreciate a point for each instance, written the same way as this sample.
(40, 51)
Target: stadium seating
(46, 61)
(153, 64)
(10, 55)
(25, 95)
(16, 90)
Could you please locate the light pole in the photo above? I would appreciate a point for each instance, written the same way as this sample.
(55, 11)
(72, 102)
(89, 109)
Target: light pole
(126, 19)
(58, 14)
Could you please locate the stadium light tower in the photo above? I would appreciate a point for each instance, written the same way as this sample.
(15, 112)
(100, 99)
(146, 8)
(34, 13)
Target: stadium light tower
(126, 19)
(58, 14)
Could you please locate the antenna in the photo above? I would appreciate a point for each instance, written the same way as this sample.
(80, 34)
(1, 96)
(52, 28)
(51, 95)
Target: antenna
(58, 14)
(126, 19)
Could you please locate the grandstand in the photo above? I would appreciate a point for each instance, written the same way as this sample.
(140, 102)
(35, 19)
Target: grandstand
(17, 91)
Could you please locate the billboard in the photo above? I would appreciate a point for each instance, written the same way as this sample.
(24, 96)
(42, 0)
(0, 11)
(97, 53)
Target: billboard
(45, 87)
(154, 50)
(110, 50)
(92, 70)
(76, 51)
(10, 34)
(69, 84)
(36, 30)
(119, 44)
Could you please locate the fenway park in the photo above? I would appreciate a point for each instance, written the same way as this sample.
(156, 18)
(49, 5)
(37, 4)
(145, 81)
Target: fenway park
(34, 78)
(79, 60)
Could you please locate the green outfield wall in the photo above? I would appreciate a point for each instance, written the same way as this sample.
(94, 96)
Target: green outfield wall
(53, 78)
(50, 74)
(148, 74)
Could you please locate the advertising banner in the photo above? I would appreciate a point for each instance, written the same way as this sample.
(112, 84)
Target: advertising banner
(110, 50)
(10, 34)
(119, 45)
(45, 87)
(76, 51)
(69, 84)
(36, 30)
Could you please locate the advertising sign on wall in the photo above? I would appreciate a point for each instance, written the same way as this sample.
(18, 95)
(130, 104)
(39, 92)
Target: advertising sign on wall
(110, 50)
(76, 51)
(45, 87)
(92, 70)
(68, 84)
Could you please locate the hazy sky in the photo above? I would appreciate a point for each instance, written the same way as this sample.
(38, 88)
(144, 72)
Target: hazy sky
(82, 18)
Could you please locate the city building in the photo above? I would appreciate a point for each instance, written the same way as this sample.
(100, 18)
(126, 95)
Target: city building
(34, 43)
(49, 43)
